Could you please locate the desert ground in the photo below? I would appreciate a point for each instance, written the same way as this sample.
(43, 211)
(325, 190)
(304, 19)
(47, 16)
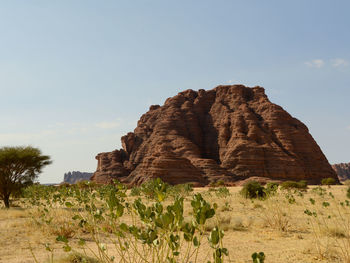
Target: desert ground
(289, 226)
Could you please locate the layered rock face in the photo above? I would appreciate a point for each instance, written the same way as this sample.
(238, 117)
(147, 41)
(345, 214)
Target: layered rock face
(342, 170)
(229, 133)
(76, 176)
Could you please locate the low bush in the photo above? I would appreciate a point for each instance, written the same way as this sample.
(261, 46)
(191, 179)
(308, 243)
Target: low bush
(217, 183)
(293, 184)
(328, 181)
(253, 189)
(258, 257)
(348, 193)
(153, 187)
(85, 184)
(221, 192)
(180, 190)
(135, 191)
(271, 188)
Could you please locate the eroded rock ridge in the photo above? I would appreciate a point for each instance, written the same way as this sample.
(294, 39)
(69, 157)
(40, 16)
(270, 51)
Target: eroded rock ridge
(76, 176)
(229, 133)
(342, 170)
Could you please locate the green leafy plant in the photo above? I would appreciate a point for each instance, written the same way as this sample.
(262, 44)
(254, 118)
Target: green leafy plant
(155, 189)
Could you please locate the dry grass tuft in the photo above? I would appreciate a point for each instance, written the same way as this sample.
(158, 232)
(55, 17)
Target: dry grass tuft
(275, 217)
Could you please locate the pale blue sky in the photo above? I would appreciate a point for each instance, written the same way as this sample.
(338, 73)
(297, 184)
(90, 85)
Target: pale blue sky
(76, 75)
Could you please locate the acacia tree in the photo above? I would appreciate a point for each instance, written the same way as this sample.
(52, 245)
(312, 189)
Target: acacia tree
(19, 166)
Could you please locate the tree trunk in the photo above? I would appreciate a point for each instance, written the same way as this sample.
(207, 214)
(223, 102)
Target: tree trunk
(7, 201)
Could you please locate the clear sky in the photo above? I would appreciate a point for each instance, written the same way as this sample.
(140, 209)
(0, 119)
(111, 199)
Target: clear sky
(76, 75)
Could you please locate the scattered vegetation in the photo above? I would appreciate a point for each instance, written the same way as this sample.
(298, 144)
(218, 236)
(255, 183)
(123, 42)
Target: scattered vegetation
(158, 222)
(328, 181)
(141, 231)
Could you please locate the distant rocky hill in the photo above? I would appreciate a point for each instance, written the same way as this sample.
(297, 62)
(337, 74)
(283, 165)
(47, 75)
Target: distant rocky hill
(342, 170)
(76, 176)
(229, 133)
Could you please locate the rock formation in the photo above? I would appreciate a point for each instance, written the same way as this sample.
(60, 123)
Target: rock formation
(342, 170)
(229, 133)
(76, 176)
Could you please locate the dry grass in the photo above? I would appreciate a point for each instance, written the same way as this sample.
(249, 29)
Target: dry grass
(276, 214)
(275, 226)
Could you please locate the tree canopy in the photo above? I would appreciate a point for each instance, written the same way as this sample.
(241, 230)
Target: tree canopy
(19, 166)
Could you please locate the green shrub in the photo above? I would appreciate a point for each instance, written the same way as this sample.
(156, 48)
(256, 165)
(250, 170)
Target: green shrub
(258, 257)
(328, 181)
(271, 188)
(222, 192)
(180, 190)
(155, 188)
(302, 184)
(253, 189)
(293, 184)
(348, 193)
(217, 183)
(135, 191)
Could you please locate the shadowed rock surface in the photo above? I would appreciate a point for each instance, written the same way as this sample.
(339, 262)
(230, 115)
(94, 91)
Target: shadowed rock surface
(76, 176)
(342, 170)
(229, 133)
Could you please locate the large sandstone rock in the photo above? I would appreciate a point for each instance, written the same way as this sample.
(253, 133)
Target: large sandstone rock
(76, 176)
(342, 170)
(228, 133)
